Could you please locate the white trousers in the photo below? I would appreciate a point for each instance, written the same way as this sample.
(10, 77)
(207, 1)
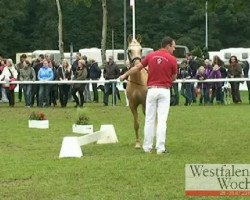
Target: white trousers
(157, 108)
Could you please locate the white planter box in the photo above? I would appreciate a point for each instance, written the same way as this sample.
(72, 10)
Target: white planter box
(82, 129)
(43, 124)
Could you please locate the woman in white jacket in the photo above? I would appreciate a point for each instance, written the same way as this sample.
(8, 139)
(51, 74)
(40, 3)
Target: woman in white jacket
(9, 72)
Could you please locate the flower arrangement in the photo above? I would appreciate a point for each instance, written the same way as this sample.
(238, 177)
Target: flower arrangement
(82, 119)
(37, 116)
(82, 124)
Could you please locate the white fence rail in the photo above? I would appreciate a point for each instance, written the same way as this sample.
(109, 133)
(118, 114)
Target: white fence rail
(117, 81)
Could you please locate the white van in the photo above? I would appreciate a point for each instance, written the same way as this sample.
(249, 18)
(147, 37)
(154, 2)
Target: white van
(118, 54)
(241, 53)
(92, 53)
(28, 54)
(180, 53)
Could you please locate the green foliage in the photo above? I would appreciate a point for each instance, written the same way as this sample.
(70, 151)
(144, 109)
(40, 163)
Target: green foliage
(28, 25)
(82, 118)
(37, 116)
(86, 2)
(197, 52)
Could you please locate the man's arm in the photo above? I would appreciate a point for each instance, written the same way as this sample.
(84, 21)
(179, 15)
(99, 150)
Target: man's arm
(132, 70)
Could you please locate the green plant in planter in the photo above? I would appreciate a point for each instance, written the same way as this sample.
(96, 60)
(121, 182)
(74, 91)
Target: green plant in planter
(82, 119)
(37, 116)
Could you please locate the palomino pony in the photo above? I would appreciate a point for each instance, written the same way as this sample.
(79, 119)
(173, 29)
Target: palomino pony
(136, 85)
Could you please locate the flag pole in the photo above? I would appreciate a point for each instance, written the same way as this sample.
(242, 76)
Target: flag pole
(206, 36)
(132, 3)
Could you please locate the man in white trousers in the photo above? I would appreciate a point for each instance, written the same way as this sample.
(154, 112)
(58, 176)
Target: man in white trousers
(162, 71)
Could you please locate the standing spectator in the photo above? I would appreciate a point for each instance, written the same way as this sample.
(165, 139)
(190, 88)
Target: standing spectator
(19, 66)
(87, 95)
(3, 92)
(8, 73)
(53, 88)
(186, 88)
(74, 67)
(193, 64)
(162, 71)
(64, 74)
(94, 74)
(202, 88)
(246, 71)
(208, 70)
(75, 63)
(81, 74)
(235, 71)
(111, 71)
(54, 93)
(216, 86)
(208, 67)
(175, 97)
(36, 64)
(1, 70)
(27, 73)
(45, 73)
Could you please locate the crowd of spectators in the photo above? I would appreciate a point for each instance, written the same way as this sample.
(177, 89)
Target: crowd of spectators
(46, 95)
(209, 93)
(45, 69)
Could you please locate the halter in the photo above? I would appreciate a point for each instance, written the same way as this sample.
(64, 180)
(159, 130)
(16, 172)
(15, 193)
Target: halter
(132, 60)
(132, 63)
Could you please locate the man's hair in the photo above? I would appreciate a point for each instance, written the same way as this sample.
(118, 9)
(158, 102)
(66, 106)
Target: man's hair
(24, 56)
(166, 41)
(85, 58)
(41, 56)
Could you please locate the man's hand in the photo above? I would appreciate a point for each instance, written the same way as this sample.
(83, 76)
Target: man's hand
(123, 77)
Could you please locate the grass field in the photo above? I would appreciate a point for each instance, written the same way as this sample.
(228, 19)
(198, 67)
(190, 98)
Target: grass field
(31, 169)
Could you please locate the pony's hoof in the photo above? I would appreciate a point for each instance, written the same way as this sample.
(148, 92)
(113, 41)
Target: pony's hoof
(137, 145)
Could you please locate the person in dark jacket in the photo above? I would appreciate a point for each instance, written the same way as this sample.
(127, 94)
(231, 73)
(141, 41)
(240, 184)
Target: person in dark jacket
(193, 65)
(19, 66)
(235, 71)
(94, 74)
(75, 63)
(246, 71)
(111, 71)
(87, 95)
(36, 64)
(64, 74)
(81, 74)
(186, 88)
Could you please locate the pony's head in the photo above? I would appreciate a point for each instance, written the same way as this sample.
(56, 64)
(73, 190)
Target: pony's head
(134, 50)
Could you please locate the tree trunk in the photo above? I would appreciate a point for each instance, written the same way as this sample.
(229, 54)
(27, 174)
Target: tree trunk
(104, 31)
(60, 40)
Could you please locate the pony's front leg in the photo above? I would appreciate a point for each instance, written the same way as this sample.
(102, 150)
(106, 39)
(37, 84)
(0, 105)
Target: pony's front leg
(136, 128)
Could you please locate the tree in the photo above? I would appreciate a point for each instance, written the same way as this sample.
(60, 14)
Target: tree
(12, 20)
(60, 27)
(104, 31)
